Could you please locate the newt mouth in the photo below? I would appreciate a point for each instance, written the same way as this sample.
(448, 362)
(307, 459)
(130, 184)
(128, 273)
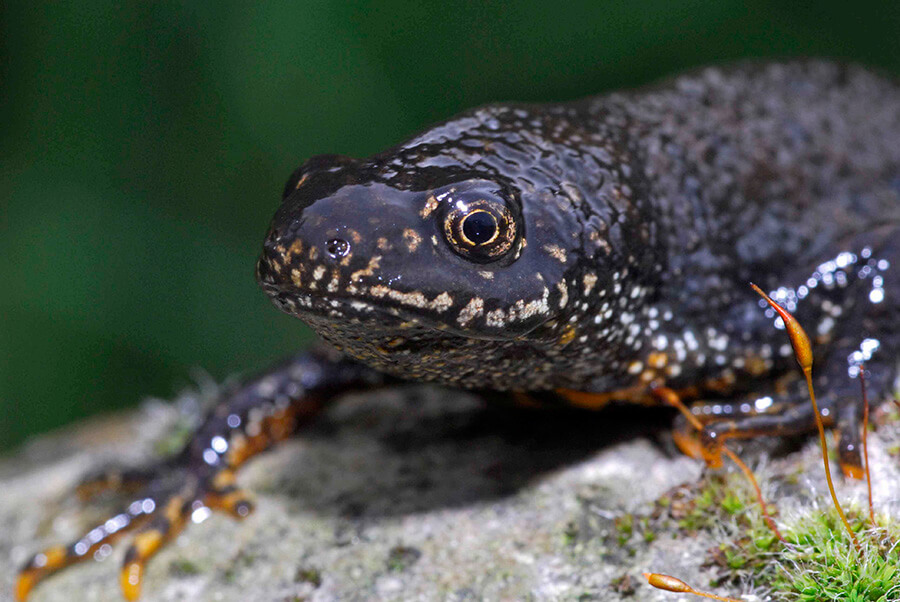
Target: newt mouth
(379, 312)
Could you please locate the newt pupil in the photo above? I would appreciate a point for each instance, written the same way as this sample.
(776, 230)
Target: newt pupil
(480, 227)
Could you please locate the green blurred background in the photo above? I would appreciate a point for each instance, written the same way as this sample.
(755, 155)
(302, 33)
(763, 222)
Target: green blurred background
(144, 146)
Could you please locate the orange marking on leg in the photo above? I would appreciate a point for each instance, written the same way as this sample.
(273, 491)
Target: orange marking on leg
(145, 545)
(567, 336)
(172, 511)
(641, 394)
(47, 562)
(852, 472)
(236, 503)
(657, 359)
(24, 584)
(593, 401)
(688, 444)
(223, 479)
(130, 580)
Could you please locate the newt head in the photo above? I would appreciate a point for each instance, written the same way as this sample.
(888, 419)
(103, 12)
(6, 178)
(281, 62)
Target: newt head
(350, 246)
(482, 241)
(430, 244)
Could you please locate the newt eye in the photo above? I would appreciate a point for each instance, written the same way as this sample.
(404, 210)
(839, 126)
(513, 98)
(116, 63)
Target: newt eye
(480, 229)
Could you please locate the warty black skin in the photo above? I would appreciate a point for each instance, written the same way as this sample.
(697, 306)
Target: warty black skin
(637, 221)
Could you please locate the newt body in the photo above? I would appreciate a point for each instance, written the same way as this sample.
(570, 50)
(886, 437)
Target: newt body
(584, 252)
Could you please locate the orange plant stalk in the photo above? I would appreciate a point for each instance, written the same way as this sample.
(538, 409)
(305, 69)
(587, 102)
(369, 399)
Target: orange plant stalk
(803, 353)
(671, 584)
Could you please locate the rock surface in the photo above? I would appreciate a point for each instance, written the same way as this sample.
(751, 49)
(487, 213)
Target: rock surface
(416, 493)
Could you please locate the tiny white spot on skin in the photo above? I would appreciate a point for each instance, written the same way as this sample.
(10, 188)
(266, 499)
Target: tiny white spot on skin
(496, 318)
(564, 293)
(442, 302)
(333, 284)
(473, 309)
(556, 252)
(590, 279)
(369, 270)
(361, 306)
(486, 274)
(430, 205)
(319, 272)
(412, 239)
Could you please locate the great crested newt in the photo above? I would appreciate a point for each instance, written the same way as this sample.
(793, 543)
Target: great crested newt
(580, 253)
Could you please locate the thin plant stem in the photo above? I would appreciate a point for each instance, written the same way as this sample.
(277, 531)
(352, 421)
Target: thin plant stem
(803, 353)
(673, 584)
(865, 439)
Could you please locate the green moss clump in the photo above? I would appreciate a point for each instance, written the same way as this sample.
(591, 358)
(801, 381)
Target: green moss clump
(624, 528)
(823, 565)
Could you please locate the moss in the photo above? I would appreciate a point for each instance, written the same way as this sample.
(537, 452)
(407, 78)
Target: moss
(819, 563)
(183, 568)
(732, 503)
(648, 534)
(570, 534)
(823, 565)
(624, 528)
(704, 506)
(174, 440)
(401, 558)
(308, 575)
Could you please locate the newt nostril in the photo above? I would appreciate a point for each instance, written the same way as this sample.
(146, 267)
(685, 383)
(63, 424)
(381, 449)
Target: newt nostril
(337, 248)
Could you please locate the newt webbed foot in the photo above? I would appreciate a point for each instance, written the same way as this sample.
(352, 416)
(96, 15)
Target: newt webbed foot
(161, 510)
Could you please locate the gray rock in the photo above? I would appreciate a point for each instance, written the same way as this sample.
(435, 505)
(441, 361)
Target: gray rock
(415, 493)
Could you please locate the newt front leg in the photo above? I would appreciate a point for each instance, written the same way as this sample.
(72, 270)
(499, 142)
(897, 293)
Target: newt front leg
(200, 479)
